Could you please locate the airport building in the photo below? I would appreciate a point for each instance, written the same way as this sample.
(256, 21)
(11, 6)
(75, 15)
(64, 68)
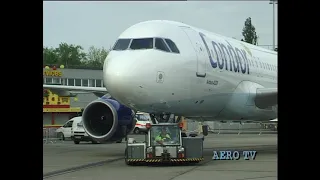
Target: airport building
(58, 109)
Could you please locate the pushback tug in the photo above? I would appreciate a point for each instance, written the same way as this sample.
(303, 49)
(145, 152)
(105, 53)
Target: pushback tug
(177, 149)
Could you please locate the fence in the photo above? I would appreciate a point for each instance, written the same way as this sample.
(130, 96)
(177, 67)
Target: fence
(232, 127)
(50, 135)
(270, 47)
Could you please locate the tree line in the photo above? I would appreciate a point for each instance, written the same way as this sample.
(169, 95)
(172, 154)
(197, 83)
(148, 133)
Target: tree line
(73, 56)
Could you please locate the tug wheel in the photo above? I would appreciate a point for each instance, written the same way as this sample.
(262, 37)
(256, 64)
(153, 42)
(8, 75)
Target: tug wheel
(126, 157)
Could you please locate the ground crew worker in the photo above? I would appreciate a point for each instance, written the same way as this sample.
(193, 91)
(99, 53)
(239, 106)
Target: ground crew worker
(162, 136)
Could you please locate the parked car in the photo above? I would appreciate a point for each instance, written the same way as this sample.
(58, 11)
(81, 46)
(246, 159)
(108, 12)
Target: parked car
(74, 130)
(141, 120)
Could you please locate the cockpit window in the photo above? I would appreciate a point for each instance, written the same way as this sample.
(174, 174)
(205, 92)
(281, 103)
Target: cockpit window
(161, 45)
(172, 46)
(122, 44)
(146, 43)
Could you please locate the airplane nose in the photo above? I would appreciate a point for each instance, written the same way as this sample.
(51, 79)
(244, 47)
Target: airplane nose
(118, 75)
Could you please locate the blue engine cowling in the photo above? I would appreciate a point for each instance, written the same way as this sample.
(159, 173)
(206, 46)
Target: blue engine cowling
(106, 120)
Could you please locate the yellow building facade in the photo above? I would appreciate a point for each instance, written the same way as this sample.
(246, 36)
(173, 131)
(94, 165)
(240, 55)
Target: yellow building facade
(55, 106)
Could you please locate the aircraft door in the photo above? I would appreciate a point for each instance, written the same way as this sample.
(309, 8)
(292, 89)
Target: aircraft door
(201, 53)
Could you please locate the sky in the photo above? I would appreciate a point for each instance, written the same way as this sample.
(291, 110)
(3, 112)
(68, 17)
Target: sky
(100, 23)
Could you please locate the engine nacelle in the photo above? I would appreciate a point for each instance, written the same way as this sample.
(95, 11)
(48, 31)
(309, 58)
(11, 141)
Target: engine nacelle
(106, 120)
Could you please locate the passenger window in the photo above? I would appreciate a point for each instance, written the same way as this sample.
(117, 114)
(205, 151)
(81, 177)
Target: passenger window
(146, 43)
(172, 46)
(160, 44)
(121, 44)
(68, 124)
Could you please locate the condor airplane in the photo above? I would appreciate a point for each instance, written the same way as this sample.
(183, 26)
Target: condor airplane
(170, 68)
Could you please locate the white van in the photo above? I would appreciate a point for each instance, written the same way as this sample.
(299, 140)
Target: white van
(78, 133)
(74, 130)
(65, 131)
(141, 120)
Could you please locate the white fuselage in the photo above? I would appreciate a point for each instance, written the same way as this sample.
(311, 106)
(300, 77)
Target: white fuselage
(212, 77)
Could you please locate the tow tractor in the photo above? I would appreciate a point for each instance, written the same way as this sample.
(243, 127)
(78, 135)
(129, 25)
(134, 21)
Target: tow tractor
(174, 149)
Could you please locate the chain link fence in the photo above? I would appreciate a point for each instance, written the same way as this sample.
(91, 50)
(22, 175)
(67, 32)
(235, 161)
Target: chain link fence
(270, 47)
(217, 127)
(51, 136)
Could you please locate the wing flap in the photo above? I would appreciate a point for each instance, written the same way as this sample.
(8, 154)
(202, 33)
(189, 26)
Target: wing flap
(266, 97)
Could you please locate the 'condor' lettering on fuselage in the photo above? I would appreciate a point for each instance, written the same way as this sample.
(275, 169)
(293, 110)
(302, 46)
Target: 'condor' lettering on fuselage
(228, 57)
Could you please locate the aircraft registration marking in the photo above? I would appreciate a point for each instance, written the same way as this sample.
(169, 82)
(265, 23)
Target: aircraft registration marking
(211, 82)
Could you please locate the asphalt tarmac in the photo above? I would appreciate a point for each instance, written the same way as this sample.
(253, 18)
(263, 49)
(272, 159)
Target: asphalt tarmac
(65, 160)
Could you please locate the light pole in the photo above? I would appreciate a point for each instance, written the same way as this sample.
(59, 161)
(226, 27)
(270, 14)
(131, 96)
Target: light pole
(273, 2)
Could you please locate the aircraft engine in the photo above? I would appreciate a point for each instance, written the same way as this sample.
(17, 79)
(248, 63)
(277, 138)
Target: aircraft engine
(106, 120)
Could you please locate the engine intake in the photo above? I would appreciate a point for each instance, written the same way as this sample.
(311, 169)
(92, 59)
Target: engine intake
(105, 120)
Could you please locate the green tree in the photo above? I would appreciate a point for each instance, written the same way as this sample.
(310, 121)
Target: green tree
(49, 56)
(70, 55)
(73, 56)
(96, 57)
(249, 32)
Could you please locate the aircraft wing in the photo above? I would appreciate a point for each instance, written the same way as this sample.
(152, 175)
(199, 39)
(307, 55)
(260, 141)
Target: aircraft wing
(266, 97)
(67, 90)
